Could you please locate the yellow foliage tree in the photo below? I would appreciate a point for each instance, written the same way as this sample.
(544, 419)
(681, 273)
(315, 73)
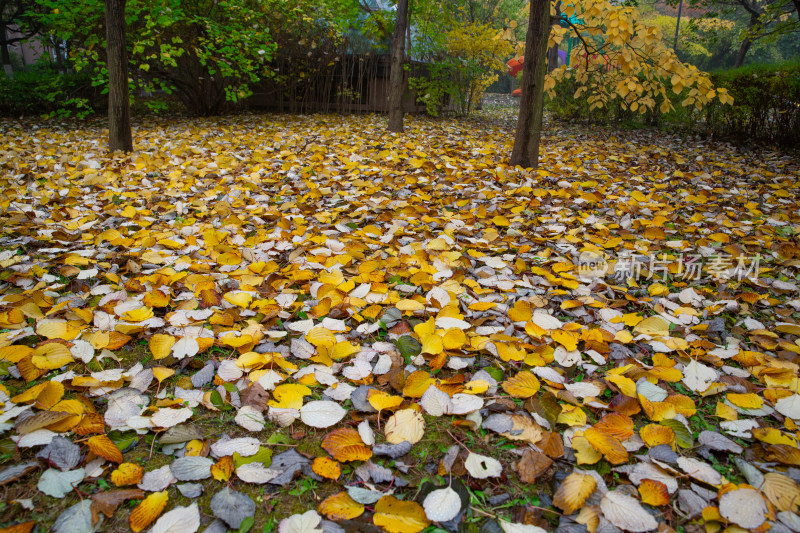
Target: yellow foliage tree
(619, 58)
(623, 58)
(478, 55)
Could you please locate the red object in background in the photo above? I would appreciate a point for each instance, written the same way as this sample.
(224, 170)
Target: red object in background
(516, 92)
(514, 66)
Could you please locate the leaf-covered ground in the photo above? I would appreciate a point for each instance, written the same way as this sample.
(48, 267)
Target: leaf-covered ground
(305, 319)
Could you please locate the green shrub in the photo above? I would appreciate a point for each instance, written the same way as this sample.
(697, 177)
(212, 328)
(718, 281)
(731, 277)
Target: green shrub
(766, 108)
(766, 105)
(42, 90)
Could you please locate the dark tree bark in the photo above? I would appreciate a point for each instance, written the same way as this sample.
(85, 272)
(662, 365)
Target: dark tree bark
(396, 75)
(747, 42)
(119, 113)
(552, 58)
(529, 125)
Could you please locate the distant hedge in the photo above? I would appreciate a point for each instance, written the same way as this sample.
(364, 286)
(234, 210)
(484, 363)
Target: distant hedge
(766, 105)
(766, 108)
(42, 90)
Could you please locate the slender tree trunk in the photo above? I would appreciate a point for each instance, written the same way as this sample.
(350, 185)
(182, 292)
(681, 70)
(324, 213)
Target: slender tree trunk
(531, 107)
(6, 56)
(746, 43)
(396, 75)
(119, 113)
(552, 58)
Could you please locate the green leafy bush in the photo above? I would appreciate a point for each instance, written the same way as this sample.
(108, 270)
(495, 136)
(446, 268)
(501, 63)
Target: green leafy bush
(42, 90)
(765, 109)
(766, 105)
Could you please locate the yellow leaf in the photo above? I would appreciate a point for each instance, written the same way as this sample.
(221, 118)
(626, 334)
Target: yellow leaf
(409, 305)
(406, 424)
(344, 349)
(51, 356)
(289, 396)
(147, 511)
(572, 415)
(745, 401)
(321, 337)
(340, 506)
(222, 469)
(573, 492)
(127, 474)
(103, 447)
(454, 339)
(345, 444)
(327, 468)
(161, 345)
(566, 339)
(398, 516)
(523, 385)
(381, 400)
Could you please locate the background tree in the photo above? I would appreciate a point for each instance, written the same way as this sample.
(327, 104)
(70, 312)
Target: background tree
(397, 74)
(15, 14)
(620, 59)
(531, 108)
(206, 52)
(119, 113)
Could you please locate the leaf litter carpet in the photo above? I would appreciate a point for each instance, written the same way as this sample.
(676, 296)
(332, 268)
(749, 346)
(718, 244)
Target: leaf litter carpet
(307, 324)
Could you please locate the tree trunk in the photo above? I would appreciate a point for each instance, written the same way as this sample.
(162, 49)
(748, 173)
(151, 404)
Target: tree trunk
(552, 58)
(4, 53)
(531, 107)
(745, 46)
(396, 75)
(119, 113)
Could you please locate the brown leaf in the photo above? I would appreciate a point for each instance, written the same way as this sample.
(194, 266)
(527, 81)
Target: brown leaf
(532, 465)
(107, 502)
(255, 396)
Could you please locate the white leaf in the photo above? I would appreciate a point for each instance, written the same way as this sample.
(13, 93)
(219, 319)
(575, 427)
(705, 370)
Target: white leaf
(366, 433)
(82, 350)
(465, 403)
(308, 522)
(744, 507)
(404, 425)
(584, 389)
(698, 377)
(652, 392)
(626, 513)
(179, 520)
(436, 402)
(191, 468)
(789, 406)
(76, 519)
(167, 417)
(442, 505)
(512, 527)
(58, 484)
(340, 392)
(256, 473)
(481, 467)
(322, 413)
(270, 379)
(185, 347)
(566, 358)
(302, 349)
(446, 322)
(250, 418)
(157, 480)
(244, 446)
(545, 320)
(228, 371)
(700, 470)
(283, 416)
